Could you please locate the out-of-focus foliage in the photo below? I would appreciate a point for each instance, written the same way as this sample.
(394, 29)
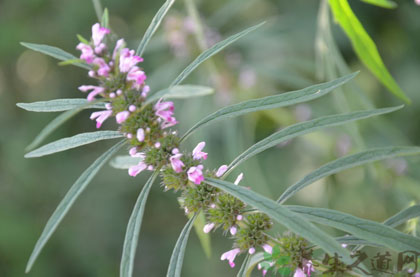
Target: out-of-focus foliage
(277, 58)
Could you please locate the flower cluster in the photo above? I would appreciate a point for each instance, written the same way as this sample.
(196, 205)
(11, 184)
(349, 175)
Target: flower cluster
(147, 129)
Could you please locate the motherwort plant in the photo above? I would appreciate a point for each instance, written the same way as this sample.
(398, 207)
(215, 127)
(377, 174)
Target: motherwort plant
(146, 124)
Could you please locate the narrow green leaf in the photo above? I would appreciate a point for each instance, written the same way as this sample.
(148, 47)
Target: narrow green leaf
(68, 200)
(70, 62)
(203, 237)
(105, 19)
(54, 52)
(347, 162)
(211, 52)
(304, 128)
(394, 221)
(175, 264)
(82, 39)
(293, 221)
(59, 105)
(382, 3)
(244, 266)
(182, 91)
(271, 102)
(364, 46)
(72, 142)
(124, 161)
(252, 263)
(133, 229)
(157, 19)
(364, 229)
(403, 216)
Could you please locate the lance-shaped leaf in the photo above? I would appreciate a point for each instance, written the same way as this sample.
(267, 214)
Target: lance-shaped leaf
(204, 238)
(179, 92)
(175, 264)
(211, 52)
(133, 229)
(124, 161)
(244, 266)
(54, 52)
(304, 128)
(272, 102)
(72, 142)
(293, 221)
(362, 228)
(60, 105)
(382, 3)
(253, 261)
(157, 19)
(394, 221)
(347, 162)
(77, 188)
(364, 46)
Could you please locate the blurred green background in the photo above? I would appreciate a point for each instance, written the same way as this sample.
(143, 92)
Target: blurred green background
(278, 57)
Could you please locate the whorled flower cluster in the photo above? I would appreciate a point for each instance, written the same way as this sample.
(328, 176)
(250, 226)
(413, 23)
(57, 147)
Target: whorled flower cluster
(122, 86)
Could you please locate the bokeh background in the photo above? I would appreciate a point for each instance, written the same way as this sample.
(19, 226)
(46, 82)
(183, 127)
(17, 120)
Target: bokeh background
(278, 57)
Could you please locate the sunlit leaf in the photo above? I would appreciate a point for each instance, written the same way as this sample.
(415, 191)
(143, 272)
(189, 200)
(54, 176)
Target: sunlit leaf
(54, 52)
(105, 19)
(59, 105)
(157, 19)
(133, 229)
(304, 128)
(180, 92)
(362, 228)
(382, 3)
(346, 162)
(175, 264)
(76, 189)
(72, 142)
(364, 46)
(211, 52)
(271, 102)
(293, 221)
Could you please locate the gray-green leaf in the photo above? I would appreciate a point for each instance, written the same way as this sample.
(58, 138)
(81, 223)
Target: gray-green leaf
(182, 91)
(157, 19)
(133, 229)
(271, 102)
(68, 200)
(72, 142)
(347, 162)
(60, 105)
(54, 52)
(175, 264)
(284, 216)
(211, 52)
(304, 128)
(368, 230)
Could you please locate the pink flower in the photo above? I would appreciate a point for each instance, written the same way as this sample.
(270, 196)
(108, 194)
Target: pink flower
(137, 76)
(268, 248)
(418, 3)
(140, 134)
(208, 227)
(308, 267)
(95, 90)
(136, 169)
(103, 67)
(239, 178)
(239, 217)
(197, 153)
(133, 153)
(233, 230)
(195, 174)
(230, 256)
(120, 43)
(222, 169)
(145, 91)
(128, 59)
(176, 162)
(251, 250)
(98, 33)
(122, 116)
(299, 273)
(87, 52)
(100, 117)
(100, 48)
(165, 111)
